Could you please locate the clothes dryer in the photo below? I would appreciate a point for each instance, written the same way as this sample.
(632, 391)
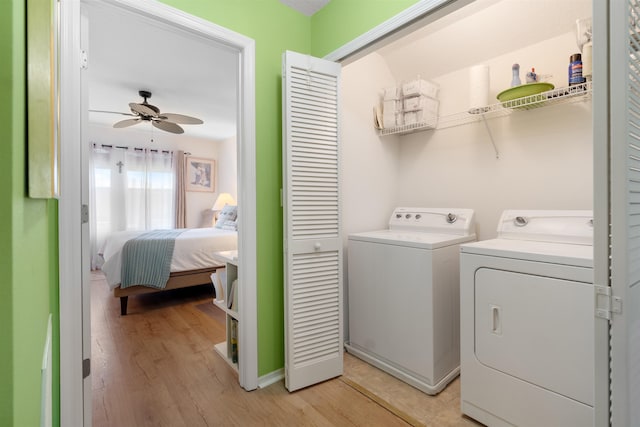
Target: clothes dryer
(527, 321)
(403, 295)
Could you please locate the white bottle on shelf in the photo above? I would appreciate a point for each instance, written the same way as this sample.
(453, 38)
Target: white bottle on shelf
(515, 75)
(587, 60)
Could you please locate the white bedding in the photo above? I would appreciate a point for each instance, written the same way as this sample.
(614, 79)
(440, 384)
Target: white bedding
(193, 250)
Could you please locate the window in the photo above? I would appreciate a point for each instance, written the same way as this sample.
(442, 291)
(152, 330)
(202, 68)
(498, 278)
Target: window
(131, 189)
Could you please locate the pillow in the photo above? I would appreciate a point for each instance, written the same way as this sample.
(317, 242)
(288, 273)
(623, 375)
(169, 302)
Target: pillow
(229, 225)
(227, 218)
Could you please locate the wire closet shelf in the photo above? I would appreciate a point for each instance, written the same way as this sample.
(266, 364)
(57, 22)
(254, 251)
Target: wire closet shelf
(564, 95)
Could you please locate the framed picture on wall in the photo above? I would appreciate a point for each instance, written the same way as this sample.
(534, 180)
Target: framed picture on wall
(42, 92)
(201, 174)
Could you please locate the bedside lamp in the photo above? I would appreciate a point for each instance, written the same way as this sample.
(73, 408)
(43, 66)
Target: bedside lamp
(221, 200)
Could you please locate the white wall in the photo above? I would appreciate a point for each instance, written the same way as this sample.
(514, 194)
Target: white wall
(144, 136)
(545, 154)
(370, 168)
(480, 30)
(369, 165)
(228, 168)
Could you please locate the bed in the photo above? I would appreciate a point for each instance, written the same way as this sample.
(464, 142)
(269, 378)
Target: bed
(192, 261)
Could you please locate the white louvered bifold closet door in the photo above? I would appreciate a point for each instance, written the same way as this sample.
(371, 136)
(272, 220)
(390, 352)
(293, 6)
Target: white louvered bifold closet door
(624, 45)
(312, 240)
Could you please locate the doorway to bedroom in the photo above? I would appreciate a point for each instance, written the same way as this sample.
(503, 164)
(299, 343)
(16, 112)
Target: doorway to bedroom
(188, 68)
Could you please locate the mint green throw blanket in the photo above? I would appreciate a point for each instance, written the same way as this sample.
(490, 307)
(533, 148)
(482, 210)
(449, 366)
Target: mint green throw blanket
(146, 259)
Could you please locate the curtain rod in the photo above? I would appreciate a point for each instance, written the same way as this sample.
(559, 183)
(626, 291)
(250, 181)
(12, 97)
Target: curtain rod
(153, 150)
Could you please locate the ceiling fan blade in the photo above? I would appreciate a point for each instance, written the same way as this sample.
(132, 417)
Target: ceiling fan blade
(112, 112)
(142, 109)
(182, 119)
(167, 126)
(126, 123)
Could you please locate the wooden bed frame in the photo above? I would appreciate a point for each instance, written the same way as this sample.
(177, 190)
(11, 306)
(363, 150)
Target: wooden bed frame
(177, 280)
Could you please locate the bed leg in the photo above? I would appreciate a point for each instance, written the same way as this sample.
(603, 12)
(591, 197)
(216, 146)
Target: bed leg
(123, 305)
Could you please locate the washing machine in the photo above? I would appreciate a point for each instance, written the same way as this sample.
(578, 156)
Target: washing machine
(403, 295)
(527, 321)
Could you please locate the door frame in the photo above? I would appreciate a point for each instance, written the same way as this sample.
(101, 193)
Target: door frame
(601, 123)
(70, 227)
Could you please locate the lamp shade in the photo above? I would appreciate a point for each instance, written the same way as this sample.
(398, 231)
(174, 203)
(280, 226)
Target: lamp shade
(221, 200)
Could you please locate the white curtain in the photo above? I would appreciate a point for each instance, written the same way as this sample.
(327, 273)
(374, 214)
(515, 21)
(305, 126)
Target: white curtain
(131, 189)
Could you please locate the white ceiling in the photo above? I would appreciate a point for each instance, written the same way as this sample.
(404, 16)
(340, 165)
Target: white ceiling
(186, 74)
(307, 7)
(484, 26)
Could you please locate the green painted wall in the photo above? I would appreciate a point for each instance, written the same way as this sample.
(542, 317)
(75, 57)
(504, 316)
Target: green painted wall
(341, 21)
(6, 256)
(29, 286)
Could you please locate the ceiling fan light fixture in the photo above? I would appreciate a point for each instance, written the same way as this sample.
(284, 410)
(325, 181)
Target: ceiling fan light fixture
(144, 111)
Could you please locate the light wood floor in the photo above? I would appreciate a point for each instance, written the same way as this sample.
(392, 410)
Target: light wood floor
(157, 367)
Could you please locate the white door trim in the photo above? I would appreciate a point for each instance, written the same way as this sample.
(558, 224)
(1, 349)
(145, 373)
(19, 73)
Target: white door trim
(69, 222)
(69, 219)
(601, 191)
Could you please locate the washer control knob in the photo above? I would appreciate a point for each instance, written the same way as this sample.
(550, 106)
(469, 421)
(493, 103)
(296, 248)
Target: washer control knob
(418, 216)
(520, 221)
(451, 218)
(407, 216)
(398, 215)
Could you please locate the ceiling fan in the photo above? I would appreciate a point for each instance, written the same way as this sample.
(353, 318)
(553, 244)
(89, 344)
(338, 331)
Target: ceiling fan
(145, 112)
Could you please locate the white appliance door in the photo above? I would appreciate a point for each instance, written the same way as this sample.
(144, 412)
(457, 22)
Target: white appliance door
(312, 235)
(538, 329)
(624, 146)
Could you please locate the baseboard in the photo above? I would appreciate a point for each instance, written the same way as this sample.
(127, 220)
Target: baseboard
(271, 378)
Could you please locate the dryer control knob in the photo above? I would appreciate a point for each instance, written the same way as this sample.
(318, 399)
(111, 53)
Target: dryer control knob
(418, 216)
(398, 215)
(407, 216)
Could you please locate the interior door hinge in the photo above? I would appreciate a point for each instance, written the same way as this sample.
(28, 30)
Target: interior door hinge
(86, 368)
(84, 60)
(606, 304)
(84, 214)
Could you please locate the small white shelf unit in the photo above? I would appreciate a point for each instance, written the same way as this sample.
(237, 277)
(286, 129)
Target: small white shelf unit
(228, 349)
(563, 95)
